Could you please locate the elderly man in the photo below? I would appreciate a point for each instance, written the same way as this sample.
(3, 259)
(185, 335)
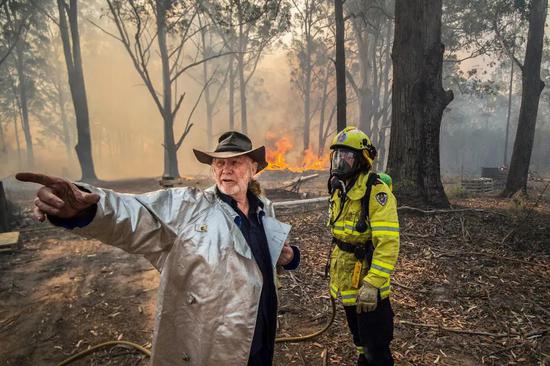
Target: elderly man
(215, 249)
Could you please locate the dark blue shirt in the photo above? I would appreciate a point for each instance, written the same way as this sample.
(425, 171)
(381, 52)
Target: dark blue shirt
(263, 342)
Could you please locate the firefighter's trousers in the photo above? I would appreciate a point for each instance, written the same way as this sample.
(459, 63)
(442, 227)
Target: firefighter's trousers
(373, 332)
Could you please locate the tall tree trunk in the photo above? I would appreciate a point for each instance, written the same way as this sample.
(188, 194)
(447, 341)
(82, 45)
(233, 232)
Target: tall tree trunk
(532, 86)
(171, 169)
(364, 93)
(75, 72)
(418, 103)
(240, 64)
(307, 100)
(509, 112)
(23, 101)
(340, 62)
(322, 114)
(64, 121)
(206, 82)
(242, 88)
(231, 94)
(16, 130)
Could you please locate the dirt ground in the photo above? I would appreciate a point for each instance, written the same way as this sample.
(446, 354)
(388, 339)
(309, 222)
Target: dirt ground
(472, 287)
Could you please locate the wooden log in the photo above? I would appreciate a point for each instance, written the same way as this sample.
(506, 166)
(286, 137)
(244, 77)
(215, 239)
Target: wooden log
(9, 241)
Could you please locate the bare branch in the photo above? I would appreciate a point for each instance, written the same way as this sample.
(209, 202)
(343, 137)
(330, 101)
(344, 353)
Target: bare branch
(103, 30)
(193, 64)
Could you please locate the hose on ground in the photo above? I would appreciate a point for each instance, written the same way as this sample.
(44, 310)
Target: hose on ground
(100, 346)
(312, 335)
(146, 352)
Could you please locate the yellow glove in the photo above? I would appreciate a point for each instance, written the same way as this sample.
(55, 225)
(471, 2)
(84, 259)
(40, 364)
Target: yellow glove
(367, 298)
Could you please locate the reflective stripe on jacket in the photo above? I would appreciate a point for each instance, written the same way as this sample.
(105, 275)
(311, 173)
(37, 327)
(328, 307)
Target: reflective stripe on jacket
(383, 230)
(210, 284)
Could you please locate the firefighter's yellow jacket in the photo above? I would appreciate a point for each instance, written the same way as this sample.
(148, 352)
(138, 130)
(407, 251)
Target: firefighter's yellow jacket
(383, 230)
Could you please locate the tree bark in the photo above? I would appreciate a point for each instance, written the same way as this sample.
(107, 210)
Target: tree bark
(16, 130)
(322, 114)
(24, 104)
(340, 64)
(75, 72)
(418, 103)
(307, 93)
(508, 113)
(206, 82)
(532, 86)
(171, 169)
(242, 94)
(231, 95)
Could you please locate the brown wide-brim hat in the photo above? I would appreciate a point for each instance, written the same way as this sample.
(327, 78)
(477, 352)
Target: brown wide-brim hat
(232, 144)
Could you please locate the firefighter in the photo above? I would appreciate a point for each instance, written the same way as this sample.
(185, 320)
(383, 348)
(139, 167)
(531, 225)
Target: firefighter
(365, 230)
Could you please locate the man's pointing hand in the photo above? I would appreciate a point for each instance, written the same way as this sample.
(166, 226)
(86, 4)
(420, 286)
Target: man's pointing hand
(58, 197)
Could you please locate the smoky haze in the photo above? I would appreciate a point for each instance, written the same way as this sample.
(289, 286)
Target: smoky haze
(127, 128)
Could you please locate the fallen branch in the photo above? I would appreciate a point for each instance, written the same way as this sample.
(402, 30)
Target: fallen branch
(398, 284)
(506, 349)
(444, 211)
(454, 330)
(491, 256)
(535, 333)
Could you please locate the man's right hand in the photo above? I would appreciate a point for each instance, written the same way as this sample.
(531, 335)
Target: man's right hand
(58, 197)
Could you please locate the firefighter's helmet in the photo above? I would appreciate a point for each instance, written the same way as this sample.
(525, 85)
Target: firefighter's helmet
(351, 151)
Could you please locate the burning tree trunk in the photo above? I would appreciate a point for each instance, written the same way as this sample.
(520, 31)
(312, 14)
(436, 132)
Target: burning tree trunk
(418, 103)
(532, 87)
(73, 59)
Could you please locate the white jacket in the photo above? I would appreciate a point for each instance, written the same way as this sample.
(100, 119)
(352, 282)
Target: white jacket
(210, 284)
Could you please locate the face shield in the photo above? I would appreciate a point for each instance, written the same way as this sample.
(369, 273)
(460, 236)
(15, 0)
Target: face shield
(345, 162)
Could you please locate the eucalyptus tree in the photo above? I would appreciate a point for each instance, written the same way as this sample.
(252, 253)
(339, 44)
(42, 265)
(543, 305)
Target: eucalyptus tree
(19, 38)
(248, 27)
(369, 66)
(505, 29)
(170, 25)
(418, 101)
(214, 74)
(309, 60)
(70, 36)
(532, 86)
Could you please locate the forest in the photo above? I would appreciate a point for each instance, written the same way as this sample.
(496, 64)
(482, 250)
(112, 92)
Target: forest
(453, 94)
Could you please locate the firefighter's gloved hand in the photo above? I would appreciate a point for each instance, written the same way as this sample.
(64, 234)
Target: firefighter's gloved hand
(367, 298)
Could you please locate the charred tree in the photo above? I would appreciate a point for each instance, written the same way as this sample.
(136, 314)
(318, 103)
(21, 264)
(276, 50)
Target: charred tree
(417, 104)
(340, 64)
(68, 26)
(532, 86)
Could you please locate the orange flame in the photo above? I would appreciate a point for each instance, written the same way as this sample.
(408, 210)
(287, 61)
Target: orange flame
(278, 149)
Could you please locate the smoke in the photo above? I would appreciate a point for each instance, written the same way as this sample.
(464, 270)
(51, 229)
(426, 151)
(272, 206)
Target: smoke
(127, 128)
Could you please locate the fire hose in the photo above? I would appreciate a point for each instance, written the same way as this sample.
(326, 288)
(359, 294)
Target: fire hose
(146, 352)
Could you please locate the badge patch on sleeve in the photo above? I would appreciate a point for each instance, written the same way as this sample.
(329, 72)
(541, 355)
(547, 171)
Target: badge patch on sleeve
(382, 198)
